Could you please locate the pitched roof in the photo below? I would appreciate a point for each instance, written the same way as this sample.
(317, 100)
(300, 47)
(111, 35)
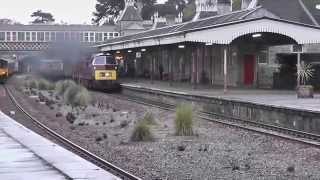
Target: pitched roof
(291, 10)
(130, 13)
(311, 6)
(177, 28)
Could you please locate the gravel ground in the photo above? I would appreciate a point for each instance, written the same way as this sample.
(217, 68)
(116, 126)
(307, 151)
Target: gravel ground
(216, 152)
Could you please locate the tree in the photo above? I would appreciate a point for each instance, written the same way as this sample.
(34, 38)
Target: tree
(179, 4)
(107, 11)
(42, 17)
(236, 5)
(8, 21)
(148, 8)
(189, 11)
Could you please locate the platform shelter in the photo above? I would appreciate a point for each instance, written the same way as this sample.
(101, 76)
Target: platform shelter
(224, 50)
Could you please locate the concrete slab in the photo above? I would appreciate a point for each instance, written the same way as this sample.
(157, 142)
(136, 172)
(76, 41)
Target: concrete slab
(26, 155)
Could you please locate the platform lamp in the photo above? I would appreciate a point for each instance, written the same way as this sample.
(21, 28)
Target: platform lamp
(181, 46)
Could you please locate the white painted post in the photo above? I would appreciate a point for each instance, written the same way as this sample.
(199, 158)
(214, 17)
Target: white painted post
(298, 68)
(225, 69)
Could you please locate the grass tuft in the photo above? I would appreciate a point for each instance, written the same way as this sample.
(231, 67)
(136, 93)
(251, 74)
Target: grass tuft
(62, 86)
(149, 119)
(82, 98)
(184, 120)
(77, 96)
(142, 132)
(44, 84)
(32, 84)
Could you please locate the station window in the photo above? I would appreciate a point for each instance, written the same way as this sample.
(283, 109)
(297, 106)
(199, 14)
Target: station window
(67, 36)
(34, 36)
(53, 36)
(21, 36)
(28, 38)
(98, 37)
(47, 36)
(81, 37)
(263, 57)
(91, 37)
(8, 36)
(116, 34)
(73, 36)
(86, 37)
(105, 36)
(59, 36)
(110, 35)
(2, 36)
(40, 36)
(14, 36)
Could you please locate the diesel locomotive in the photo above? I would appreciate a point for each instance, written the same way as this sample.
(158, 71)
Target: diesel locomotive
(6, 69)
(97, 72)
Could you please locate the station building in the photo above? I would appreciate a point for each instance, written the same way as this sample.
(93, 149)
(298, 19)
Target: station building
(51, 33)
(258, 46)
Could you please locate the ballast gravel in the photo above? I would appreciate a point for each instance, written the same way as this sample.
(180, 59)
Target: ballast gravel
(215, 152)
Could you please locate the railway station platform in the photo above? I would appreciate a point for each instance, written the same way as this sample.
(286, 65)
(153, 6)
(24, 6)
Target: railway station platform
(275, 98)
(270, 107)
(25, 155)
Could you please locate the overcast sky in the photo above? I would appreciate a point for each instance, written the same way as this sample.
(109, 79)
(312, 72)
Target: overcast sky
(70, 11)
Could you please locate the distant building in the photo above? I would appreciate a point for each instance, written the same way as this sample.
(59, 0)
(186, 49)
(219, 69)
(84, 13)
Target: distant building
(130, 20)
(52, 33)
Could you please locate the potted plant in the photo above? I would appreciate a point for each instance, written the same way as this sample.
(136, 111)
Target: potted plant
(305, 73)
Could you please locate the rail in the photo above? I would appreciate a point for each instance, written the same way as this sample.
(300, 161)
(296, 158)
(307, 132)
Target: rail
(281, 132)
(74, 147)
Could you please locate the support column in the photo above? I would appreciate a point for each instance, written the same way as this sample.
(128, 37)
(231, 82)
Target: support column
(210, 65)
(194, 70)
(298, 68)
(171, 52)
(152, 66)
(225, 69)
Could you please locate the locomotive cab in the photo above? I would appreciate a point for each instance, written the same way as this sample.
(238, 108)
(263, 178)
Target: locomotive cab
(105, 68)
(4, 71)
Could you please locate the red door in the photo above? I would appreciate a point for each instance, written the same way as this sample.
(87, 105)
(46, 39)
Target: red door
(249, 62)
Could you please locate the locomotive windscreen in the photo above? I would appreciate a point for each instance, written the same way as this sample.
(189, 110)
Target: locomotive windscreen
(3, 64)
(103, 60)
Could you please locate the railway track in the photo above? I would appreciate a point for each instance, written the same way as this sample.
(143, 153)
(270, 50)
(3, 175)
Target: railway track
(72, 146)
(276, 131)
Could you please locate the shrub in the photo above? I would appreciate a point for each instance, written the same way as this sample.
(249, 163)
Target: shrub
(62, 86)
(44, 84)
(76, 96)
(184, 120)
(83, 98)
(142, 132)
(149, 119)
(33, 84)
(70, 94)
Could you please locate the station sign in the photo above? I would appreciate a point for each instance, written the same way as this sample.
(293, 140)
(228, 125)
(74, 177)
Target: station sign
(297, 48)
(138, 54)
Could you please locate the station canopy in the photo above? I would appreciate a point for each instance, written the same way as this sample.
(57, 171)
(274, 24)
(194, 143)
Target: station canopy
(220, 29)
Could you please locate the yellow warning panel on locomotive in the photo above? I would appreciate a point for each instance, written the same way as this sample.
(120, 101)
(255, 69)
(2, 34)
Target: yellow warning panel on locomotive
(105, 75)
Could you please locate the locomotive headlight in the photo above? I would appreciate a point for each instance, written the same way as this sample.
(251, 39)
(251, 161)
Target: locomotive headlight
(108, 74)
